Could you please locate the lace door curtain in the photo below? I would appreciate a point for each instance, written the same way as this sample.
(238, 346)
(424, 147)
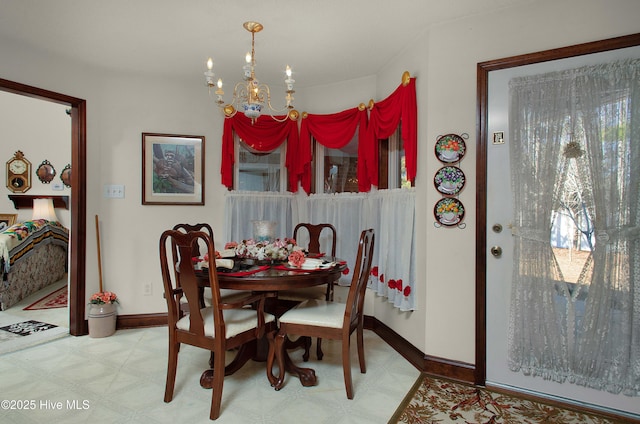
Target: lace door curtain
(389, 212)
(588, 334)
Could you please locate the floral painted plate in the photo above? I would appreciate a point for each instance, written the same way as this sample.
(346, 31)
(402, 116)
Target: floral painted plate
(450, 148)
(449, 211)
(449, 180)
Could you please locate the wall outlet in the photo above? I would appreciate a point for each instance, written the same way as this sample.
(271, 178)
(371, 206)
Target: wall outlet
(148, 289)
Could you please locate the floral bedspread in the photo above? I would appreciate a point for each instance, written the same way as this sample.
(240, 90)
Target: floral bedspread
(19, 241)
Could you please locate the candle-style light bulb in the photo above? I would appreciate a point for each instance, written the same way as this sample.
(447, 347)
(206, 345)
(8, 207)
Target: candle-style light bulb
(247, 58)
(288, 71)
(210, 64)
(219, 82)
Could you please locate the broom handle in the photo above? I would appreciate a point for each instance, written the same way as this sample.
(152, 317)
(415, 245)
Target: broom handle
(99, 256)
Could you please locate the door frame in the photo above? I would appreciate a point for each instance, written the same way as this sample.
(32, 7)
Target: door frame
(78, 204)
(482, 137)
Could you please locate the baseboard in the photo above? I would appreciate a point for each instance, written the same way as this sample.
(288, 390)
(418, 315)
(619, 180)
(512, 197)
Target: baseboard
(141, 321)
(432, 365)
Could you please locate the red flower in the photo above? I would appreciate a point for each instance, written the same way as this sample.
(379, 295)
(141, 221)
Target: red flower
(346, 271)
(399, 285)
(296, 258)
(392, 284)
(407, 291)
(382, 278)
(374, 271)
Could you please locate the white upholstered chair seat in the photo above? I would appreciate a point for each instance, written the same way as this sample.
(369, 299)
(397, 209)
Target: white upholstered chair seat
(236, 321)
(316, 312)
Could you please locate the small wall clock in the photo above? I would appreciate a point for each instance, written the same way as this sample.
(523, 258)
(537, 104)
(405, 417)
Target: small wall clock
(18, 173)
(46, 172)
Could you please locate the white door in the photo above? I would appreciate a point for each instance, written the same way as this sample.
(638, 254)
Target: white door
(500, 245)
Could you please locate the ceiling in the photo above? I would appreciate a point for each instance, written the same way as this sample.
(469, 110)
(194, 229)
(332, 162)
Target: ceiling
(322, 40)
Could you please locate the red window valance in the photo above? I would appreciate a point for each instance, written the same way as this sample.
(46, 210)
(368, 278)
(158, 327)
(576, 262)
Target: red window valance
(333, 131)
(264, 135)
(384, 118)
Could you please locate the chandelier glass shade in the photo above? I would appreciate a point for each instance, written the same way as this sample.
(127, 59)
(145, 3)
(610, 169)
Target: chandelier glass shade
(249, 95)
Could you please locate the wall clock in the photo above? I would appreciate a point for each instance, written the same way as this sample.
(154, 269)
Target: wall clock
(46, 172)
(18, 173)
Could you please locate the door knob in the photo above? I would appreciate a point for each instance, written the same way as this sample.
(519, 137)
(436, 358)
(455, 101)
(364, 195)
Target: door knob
(496, 251)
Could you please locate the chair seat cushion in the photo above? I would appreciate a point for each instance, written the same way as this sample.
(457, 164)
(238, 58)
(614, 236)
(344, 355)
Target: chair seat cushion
(316, 312)
(236, 320)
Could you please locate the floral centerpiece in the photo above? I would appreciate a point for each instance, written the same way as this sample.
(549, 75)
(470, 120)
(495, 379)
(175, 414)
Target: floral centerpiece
(276, 250)
(103, 297)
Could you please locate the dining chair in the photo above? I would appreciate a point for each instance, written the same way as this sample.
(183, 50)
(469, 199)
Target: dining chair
(195, 252)
(328, 320)
(216, 328)
(314, 233)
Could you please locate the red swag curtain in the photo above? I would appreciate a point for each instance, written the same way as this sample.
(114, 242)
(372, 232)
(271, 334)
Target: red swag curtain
(264, 135)
(334, 131)
(384, 118)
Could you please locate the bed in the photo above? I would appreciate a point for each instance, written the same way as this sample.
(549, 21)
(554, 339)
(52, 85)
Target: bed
(33, 255)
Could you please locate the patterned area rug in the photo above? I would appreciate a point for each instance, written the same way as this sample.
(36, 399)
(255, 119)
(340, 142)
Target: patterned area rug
(57, 299)
(18, 333)
(441, 401)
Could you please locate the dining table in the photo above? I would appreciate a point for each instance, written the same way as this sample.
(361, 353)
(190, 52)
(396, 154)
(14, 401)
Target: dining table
(270, 278)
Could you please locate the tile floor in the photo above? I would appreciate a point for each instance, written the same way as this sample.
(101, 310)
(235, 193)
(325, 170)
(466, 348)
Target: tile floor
(120, 379)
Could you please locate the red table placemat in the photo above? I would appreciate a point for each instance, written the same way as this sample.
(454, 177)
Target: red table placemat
(244, 273)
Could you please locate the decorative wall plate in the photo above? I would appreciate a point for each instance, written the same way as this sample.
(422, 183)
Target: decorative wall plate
(449, 211)
(450, 148)
(65, 176)
(46, 172)
(449, 180)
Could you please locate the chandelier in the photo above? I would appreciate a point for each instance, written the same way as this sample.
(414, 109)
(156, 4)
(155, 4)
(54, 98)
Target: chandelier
(250, 96)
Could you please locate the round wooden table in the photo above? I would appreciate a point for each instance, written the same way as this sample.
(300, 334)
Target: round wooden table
(272, 280)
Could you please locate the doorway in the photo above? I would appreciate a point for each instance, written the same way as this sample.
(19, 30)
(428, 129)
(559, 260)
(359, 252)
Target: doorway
(494, 242)
(77, 264)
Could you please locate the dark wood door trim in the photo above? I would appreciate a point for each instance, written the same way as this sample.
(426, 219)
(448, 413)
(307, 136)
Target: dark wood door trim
(77, 268)
(482, 111)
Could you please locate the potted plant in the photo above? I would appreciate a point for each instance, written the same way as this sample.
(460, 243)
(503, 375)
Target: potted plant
(102, 314)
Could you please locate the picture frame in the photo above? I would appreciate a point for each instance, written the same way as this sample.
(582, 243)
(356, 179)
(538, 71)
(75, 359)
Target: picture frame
(7, 220)
(172, 169)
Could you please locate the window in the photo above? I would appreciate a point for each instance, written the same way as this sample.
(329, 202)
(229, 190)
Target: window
(259, 171)
(336, 170)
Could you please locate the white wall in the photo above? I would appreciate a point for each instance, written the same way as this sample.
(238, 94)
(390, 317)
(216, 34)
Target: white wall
(42, 131)
(444, 58)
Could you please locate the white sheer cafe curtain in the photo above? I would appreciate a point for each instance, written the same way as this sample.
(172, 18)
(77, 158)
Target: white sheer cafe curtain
(389, 212)
(587, 333)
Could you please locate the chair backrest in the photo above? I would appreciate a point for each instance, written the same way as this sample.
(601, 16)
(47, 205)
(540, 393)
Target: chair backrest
(361, 271)
(314, 231)
(197, 227)
(179, 278)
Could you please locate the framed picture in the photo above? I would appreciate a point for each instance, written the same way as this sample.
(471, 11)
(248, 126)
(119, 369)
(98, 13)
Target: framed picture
(7, 220)
(172, 169)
